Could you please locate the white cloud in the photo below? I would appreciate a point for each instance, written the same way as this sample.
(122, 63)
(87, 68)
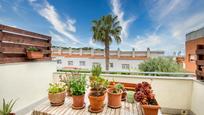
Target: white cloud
(66, 28)
(56, 37)
(116, 9)
(147, 41)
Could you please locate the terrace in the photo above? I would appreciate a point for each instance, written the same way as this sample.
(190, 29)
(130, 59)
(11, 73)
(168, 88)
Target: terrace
(28, 81)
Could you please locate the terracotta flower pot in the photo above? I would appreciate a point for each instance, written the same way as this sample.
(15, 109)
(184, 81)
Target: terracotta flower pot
(96, 102)
(150, 109)
(57, 99)
(124, 94)
(114, 99)
(69, 93)
(12, 114)
(78, 101)
(34, 54)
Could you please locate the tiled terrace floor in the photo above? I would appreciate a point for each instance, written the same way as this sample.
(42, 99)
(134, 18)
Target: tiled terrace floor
(66, 109)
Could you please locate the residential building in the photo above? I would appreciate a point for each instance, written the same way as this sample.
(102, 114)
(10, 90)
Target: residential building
(193, 39)
(85, 59)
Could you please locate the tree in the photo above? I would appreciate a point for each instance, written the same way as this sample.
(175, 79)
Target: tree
(160, 64)
(105, 30)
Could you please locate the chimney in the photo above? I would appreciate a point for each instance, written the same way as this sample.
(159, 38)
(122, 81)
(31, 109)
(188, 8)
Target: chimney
(92, 51)
(133, 52)
(70, 51)
(118, 52)
(148, 53)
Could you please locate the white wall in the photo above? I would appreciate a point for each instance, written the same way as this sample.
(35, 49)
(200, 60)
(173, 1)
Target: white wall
(197, 104)
(26, 81)
(117, 64)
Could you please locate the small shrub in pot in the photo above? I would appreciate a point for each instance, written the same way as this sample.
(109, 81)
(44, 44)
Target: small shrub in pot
(57, 94)
(34, 53)
(98, 89)
(78, 88)
(124, 94)
(114, 96)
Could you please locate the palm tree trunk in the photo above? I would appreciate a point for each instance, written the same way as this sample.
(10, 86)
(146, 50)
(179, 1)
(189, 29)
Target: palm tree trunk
(107, 54)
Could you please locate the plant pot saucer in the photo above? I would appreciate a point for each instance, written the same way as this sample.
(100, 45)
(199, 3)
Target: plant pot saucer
(92, 111)
(57, 104)
(114, 107)
(77, 108)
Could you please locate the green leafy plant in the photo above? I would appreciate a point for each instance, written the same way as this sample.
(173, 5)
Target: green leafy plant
(7, 107)
(118, 88)
(78, 85)
(160, 64)
(96, 70)
(33, 49)
(56, 88)
(98, 84)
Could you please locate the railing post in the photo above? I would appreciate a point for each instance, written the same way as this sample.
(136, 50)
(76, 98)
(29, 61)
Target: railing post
(80, 51)
(92, 52)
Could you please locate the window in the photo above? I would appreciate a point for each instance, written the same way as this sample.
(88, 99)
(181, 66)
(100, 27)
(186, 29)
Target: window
(59, 61)
(70, 62)
(125, 66)
(82, 63)
(192, 57)
(111, 65)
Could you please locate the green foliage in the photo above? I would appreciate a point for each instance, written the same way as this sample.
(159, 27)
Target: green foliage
(96, 70)
(56, 88)
(32, 49)
(7, 107)
(160, 64)
(78, 86)
(119, 86)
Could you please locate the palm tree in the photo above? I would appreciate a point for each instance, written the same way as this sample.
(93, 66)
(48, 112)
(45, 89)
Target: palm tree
(105, 30)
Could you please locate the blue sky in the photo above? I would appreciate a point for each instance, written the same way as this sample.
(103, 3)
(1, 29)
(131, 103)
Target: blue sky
(157, 24)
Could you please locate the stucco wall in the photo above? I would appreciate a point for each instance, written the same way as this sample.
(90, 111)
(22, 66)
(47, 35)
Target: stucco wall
(26, 81)
(198, 98)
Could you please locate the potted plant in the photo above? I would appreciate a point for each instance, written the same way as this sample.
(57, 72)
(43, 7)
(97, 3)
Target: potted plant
(144, 95)
(78, 88)
(66, 79)
(121, 86)
(34, 53)
(7, 107)
(114, 96)
(98, 89)
(57, 93)
(130, 96)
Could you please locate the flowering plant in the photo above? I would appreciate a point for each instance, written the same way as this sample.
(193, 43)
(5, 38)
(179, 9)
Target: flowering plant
(144, 94)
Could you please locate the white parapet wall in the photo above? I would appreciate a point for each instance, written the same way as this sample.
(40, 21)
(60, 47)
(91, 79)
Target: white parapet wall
(173, 93)
(197, 104)
(28, 82)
